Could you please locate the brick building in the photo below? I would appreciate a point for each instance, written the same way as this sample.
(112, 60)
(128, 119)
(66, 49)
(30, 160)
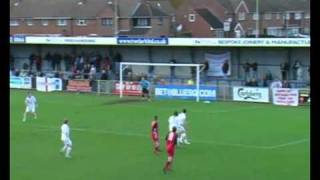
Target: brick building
(277, 18)
(91, 17)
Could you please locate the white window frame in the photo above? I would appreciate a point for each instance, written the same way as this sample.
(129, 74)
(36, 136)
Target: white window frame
(255, 16)
(241, 16)
(14, 22)
(297, 16)
(306, 15)
(29, 22)
(104, 22)
(81, 22)
(267, 16)
(62, 22)
(192, 17)
(44, 22)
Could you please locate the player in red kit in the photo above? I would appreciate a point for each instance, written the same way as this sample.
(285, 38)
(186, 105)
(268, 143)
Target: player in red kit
(171, 139)
(155, 134)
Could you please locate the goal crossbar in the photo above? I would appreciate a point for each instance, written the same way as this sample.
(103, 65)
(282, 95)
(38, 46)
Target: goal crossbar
(125, 64)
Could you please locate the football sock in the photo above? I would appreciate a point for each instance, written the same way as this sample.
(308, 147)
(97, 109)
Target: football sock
(63, 148)
(167, 166)
(68, 151)
(24, 117)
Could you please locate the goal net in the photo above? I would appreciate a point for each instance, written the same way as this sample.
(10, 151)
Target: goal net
(130, 74)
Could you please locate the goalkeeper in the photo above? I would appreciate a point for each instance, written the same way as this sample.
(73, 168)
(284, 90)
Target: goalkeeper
(145, 85)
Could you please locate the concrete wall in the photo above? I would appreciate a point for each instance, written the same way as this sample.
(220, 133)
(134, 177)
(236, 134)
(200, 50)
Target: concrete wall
(267, 58)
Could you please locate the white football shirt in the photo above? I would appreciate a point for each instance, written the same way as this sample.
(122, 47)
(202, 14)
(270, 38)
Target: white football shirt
(65, 131)
(31, 101)
(182, 118)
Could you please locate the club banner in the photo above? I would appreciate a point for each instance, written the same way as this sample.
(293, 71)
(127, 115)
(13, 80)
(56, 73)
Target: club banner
(285, 96)
(48, 84)
(251, 94)
(79, 86)
(128, 88)
(219, 64)
(185, 92)
(20, 82)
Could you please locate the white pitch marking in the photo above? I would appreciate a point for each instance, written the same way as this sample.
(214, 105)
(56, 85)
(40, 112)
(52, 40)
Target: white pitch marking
(202, 142)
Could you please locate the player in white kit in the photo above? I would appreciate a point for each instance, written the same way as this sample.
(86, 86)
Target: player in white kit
(65, 138)
(182, 127)
(31, 104)
(173, 122)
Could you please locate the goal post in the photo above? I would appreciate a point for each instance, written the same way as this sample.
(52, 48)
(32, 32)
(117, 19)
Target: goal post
(124, 65)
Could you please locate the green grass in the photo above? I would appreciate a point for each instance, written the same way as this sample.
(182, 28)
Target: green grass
(230, 140)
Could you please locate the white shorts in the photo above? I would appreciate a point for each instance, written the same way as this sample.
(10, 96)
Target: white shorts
(31, 109)
(180, 129)
(67, 141)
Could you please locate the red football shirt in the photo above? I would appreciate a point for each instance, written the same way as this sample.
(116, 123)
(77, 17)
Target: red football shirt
(171, 140)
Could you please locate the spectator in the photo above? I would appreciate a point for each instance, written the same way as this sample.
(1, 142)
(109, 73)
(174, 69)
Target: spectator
(93, 72)
(16, 72)
(32, 58)
(172, 70)
(254, 67)
(295, 68)
(284, 67)
(267, 78)
(86, 71)
(128, 73)
(49, 58)
(246, 68)
(225, 68)
(38, 63)
(286, 84)
(58, 61)
(98, 61)
(104, 75)
(25, 66)
(67, 61)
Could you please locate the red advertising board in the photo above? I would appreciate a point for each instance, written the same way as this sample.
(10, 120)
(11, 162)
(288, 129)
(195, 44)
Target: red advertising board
(79, 86)
(128, 88)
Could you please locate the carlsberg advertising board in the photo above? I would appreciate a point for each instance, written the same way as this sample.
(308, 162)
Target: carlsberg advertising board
(251, 94)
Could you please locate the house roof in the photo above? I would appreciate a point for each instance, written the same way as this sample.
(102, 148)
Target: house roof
(147, 9)
(89, 8)
(210, 18)
(268, 5)
(57, 8)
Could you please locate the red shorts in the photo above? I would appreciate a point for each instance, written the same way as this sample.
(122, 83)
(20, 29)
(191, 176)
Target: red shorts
(170, 151)
(154, 136)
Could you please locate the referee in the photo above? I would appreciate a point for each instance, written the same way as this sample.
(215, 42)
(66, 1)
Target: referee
(145, 88)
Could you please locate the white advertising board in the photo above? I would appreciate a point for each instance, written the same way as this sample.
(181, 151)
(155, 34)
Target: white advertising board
(285, 96)
(251, 94)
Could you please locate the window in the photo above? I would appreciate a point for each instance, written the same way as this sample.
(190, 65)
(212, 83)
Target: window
(14, 22)
(307, 15)
(297, 16)
(254, 16)
(192, 17)
(81, 22)
(29, 22)
(141, 22)
(267, 16)
(274, 31)
(306, 30)
(44, 22)
(241, 16)
(278, 15)
(107, 21)
(61, 22)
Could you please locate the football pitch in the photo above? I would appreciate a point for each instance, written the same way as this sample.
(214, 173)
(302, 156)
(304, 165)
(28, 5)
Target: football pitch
(111, 140)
